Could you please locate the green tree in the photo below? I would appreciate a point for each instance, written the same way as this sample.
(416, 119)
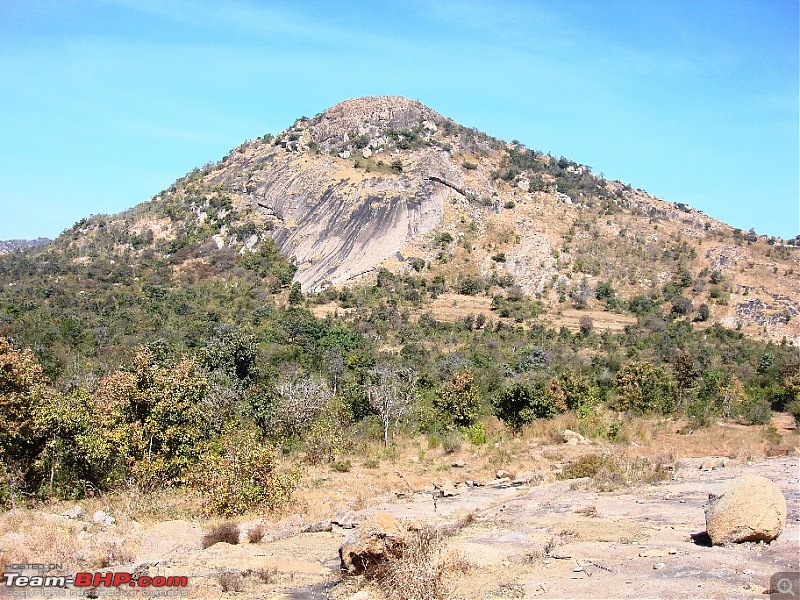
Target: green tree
(153, 418)
(458, 401)
(643, 388)
(295, 294)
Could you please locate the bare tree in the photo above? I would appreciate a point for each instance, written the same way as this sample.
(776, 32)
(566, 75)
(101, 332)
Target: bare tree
(298, 402)
(390, 393)
(335, 366)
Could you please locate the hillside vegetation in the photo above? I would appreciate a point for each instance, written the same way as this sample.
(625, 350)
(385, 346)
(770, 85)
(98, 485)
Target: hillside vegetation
(285, 305)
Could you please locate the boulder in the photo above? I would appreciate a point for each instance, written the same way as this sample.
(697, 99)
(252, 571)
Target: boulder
(378, 539)
(526, 477)
(103, 518)
(168, 539)
(573, 438)
(750, 508)
(76, 512)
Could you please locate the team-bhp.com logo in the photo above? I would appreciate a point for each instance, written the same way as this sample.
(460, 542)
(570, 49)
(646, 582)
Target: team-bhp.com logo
(14, 577)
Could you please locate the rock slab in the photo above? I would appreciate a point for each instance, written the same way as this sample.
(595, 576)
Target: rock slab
(750, 509)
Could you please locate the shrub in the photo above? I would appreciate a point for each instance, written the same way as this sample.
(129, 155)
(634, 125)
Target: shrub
(222, 532)
(756, 412)
(681, 305)
(240, 475)
(343, 466)
(476, 433)
(793, 408)
(231, 581)
(523, 402)
(586, 325)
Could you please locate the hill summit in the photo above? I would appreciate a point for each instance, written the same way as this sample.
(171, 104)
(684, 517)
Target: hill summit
(385, 182)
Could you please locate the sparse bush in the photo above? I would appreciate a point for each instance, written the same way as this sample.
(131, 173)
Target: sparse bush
(240, 475)
(221, 532)
(231, 581)
(255, 534)
(342, 466)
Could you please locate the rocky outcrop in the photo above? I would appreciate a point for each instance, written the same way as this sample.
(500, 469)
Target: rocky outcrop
(378, 539)
(750, 509)
(373, 117)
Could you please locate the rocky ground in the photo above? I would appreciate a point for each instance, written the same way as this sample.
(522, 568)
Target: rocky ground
(529, 535)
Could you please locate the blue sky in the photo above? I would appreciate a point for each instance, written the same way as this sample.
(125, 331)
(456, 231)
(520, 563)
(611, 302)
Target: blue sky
(105, 103)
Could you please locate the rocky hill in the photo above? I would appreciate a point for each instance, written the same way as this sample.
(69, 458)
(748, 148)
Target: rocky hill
(386, 182)
(7, 246)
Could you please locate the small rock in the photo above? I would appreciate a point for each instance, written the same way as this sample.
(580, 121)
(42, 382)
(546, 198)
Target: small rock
(502, 473)
(362, 595)
(526, 477)
(459, 464)
(672, 551)
(366, 152)
(659, 566)
(748, 571)
(574, 438)
(319, 526)
(750, 509)
(347, 519)
(448, 490)
(103, 519)
(76, 512)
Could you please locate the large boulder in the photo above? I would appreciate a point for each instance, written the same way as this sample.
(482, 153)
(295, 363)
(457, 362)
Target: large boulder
(376, 540)
(751, 508)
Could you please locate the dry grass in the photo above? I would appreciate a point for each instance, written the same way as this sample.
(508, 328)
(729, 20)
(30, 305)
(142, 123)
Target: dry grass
(30, 536)
(608, 472)
(420, 572)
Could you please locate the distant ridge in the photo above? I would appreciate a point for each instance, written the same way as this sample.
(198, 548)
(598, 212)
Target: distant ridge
(7, 246)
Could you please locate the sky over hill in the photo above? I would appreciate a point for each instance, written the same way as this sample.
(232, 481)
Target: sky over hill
(105, 103)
